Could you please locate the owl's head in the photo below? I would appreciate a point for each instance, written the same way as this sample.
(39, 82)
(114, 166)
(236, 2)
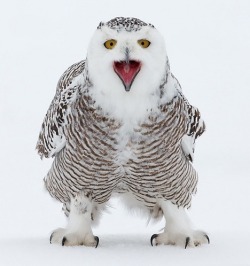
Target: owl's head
(126, 54)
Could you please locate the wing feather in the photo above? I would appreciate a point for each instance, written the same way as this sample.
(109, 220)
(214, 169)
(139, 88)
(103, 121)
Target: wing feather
(51, 138)
(195, 126)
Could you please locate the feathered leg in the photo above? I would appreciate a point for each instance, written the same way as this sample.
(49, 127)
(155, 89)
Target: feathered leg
(78, 231)
(178, 229)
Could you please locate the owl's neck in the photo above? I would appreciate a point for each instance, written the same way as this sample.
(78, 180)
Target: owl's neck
(134, 106)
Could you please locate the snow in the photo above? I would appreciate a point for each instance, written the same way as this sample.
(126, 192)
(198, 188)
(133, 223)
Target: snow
(129, 251)
(208, 48)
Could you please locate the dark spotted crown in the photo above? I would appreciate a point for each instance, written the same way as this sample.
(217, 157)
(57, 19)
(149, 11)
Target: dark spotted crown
(128, 24)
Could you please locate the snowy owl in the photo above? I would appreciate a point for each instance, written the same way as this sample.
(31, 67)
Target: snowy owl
(119, 125)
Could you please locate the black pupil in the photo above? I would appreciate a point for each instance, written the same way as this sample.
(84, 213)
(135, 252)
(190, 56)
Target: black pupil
(142, 43)
(111, 44)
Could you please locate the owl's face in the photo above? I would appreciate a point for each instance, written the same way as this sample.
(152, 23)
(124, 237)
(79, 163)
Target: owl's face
(126, 59)
(126, 64)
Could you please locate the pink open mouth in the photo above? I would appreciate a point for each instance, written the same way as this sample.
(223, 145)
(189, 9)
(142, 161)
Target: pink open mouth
(127, 72)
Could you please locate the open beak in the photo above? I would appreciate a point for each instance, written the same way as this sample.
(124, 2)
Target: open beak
(127, 71)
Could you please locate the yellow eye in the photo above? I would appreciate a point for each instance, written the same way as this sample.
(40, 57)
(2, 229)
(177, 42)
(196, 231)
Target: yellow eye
(110, 44)
(144, 43)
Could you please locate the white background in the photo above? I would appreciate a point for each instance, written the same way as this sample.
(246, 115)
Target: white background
(208, 44)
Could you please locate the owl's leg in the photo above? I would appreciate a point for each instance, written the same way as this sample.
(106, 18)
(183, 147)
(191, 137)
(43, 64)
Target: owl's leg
(78, 231)
(178, 229)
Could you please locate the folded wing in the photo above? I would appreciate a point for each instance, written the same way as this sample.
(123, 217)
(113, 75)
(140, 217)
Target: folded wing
(51, 138)
(195, 128)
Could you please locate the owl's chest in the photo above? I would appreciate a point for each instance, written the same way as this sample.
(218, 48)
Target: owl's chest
(140, 146)
(97, 138)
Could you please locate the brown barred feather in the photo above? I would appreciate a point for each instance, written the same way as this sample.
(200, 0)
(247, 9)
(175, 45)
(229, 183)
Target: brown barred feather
(88, 158)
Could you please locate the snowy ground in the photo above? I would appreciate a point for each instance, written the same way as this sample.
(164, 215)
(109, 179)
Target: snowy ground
(208, 44)
(125, 250)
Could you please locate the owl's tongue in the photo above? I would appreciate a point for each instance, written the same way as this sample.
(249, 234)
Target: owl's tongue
(127, 72)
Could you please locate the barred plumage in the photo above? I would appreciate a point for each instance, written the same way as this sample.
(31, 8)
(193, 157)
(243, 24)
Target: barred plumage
(100, 150)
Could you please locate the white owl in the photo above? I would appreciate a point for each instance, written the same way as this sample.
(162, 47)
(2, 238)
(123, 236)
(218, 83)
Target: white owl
(120, 125)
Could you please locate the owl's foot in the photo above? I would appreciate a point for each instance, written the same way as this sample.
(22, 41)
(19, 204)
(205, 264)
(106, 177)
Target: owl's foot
(178, 230)
(78, 232)
(64, 237)
(191, 239)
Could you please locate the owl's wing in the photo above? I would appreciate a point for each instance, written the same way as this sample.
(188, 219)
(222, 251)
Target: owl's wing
(51, 138)
(195, 124)
(195, 128)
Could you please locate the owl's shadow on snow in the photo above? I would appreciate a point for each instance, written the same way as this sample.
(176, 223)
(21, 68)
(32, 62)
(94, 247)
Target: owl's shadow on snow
(120, 240)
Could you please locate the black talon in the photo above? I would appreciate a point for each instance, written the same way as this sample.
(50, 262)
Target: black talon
(64, 240)
(187, 242)
(208, 240)
(51, 236)
(97, 241)
(152, 239)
